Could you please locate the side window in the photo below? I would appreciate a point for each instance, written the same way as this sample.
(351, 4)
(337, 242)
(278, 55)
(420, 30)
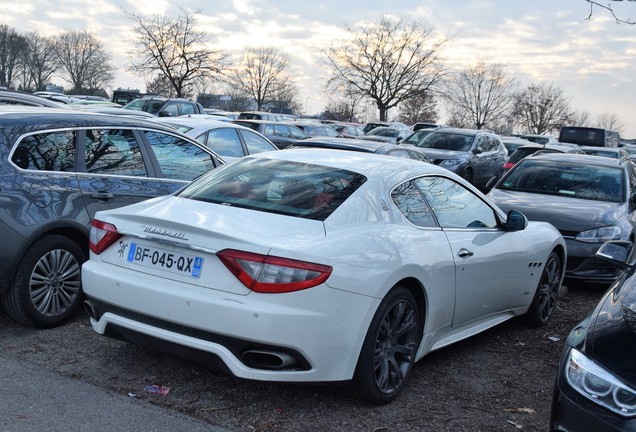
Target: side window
(179, 159)
(225, 142)
(632, 181)
(281, 131)
(455, 206)
(269, 130)
(113, 151)
(400, 153)
(256, 143)
(186, 108)
(48, 151)
(296, 133)
(412, 204)
(171, 108)
(481, 144)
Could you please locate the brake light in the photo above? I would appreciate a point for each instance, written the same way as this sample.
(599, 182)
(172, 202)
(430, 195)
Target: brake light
(270, 274)
(101, 236)
(508, 165)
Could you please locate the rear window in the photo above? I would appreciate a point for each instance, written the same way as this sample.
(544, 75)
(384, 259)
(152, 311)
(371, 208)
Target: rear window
(447, 141)
(274, 186)
(583, 136)
(591, 182)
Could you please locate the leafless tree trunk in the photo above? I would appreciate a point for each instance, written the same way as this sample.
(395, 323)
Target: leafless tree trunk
(12, 45)
(174, 48)
(542, 108)
(481, 94)
(87, 65)
(608, 7)
(390, 60)
(422, 108)
(260, 73)
(40, 61)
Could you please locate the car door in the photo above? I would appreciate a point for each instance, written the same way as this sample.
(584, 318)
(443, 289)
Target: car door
(113, 170)
(488, 259)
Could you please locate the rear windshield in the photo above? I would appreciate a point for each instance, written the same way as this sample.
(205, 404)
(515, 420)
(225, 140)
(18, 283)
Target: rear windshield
(274, 186)
(583, 136)
(591, 182)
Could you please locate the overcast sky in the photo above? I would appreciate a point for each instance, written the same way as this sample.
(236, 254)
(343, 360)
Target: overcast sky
(592, 61)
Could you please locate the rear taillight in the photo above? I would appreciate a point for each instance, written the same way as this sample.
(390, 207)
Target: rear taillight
(101, 236)
(508, 165)
(269, 274)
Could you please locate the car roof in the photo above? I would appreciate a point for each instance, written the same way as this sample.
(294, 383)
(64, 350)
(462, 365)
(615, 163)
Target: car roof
(369, 164)
(344, 144)
(46, 118)
(28, 99)
(580, 158)
(555, 147)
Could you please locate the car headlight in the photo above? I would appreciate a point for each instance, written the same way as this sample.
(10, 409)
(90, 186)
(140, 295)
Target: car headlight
(599, 385)
(450, 162)
(600, 235)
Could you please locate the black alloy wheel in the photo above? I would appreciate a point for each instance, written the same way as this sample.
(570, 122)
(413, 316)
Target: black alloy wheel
(389, 349)
(545, 298)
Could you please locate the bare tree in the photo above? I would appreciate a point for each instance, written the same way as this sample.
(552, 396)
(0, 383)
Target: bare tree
(238, 99)
(610, 121)
(12, 45)
(581, 118)
(481, 94)
(390, 60)
(285, 95)
(261, 72)
(608, 7)
(541, 108)
(87, 65)
(39, 61)
(174, 48)
(160, 85)
(422, 108)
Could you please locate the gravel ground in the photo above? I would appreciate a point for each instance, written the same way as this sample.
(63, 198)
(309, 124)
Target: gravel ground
(497, 381)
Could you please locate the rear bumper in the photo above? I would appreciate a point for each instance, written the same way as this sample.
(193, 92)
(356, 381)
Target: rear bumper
(321, 329)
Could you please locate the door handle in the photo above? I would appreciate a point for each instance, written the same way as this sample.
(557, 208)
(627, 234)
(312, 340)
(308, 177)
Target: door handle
(464, 253)
(102, 195)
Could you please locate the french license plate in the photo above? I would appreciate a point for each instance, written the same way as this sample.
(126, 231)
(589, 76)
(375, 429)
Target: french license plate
(178, 263)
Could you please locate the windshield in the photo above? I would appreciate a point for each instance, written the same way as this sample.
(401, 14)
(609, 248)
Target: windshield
(275, 186)
(447, 141)
(590, 182)
(147, 105)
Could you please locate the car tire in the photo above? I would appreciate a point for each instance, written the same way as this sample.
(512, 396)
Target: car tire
(46, 289)
(389, 348)
(468, 175)
(547, 293)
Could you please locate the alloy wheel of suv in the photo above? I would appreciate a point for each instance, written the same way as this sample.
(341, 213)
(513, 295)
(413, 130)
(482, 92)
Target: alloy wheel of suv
(47, 286)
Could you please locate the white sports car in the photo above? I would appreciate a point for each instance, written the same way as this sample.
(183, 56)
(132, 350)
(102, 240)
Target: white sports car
(318, 265)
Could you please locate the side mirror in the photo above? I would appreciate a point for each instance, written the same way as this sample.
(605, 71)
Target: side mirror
(516, 221)
(164, 114)
(617, 253)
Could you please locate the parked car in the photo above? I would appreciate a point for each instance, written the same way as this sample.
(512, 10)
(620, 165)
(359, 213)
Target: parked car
(228, 140)
(610, 152)
(476, 155)
(414, 138)
(316, 129)
(348, 130)
(595, 387)
(259, 115)
(12, 97)
(530, 149)
(589, 199)
(57, 168)
(387, 134)
(540, 138)
(418, 126)
(377, 147)
(512, 143)
(372, 125)
(281, 134)
(165, 107)
(589, 136)
(336, 266)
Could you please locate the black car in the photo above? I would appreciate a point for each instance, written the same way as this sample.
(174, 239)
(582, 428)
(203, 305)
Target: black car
(281, 134)
(405, 151)
(476, 155)
(59, 167)
(165, 107)
(532, 148)
(595, 387)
